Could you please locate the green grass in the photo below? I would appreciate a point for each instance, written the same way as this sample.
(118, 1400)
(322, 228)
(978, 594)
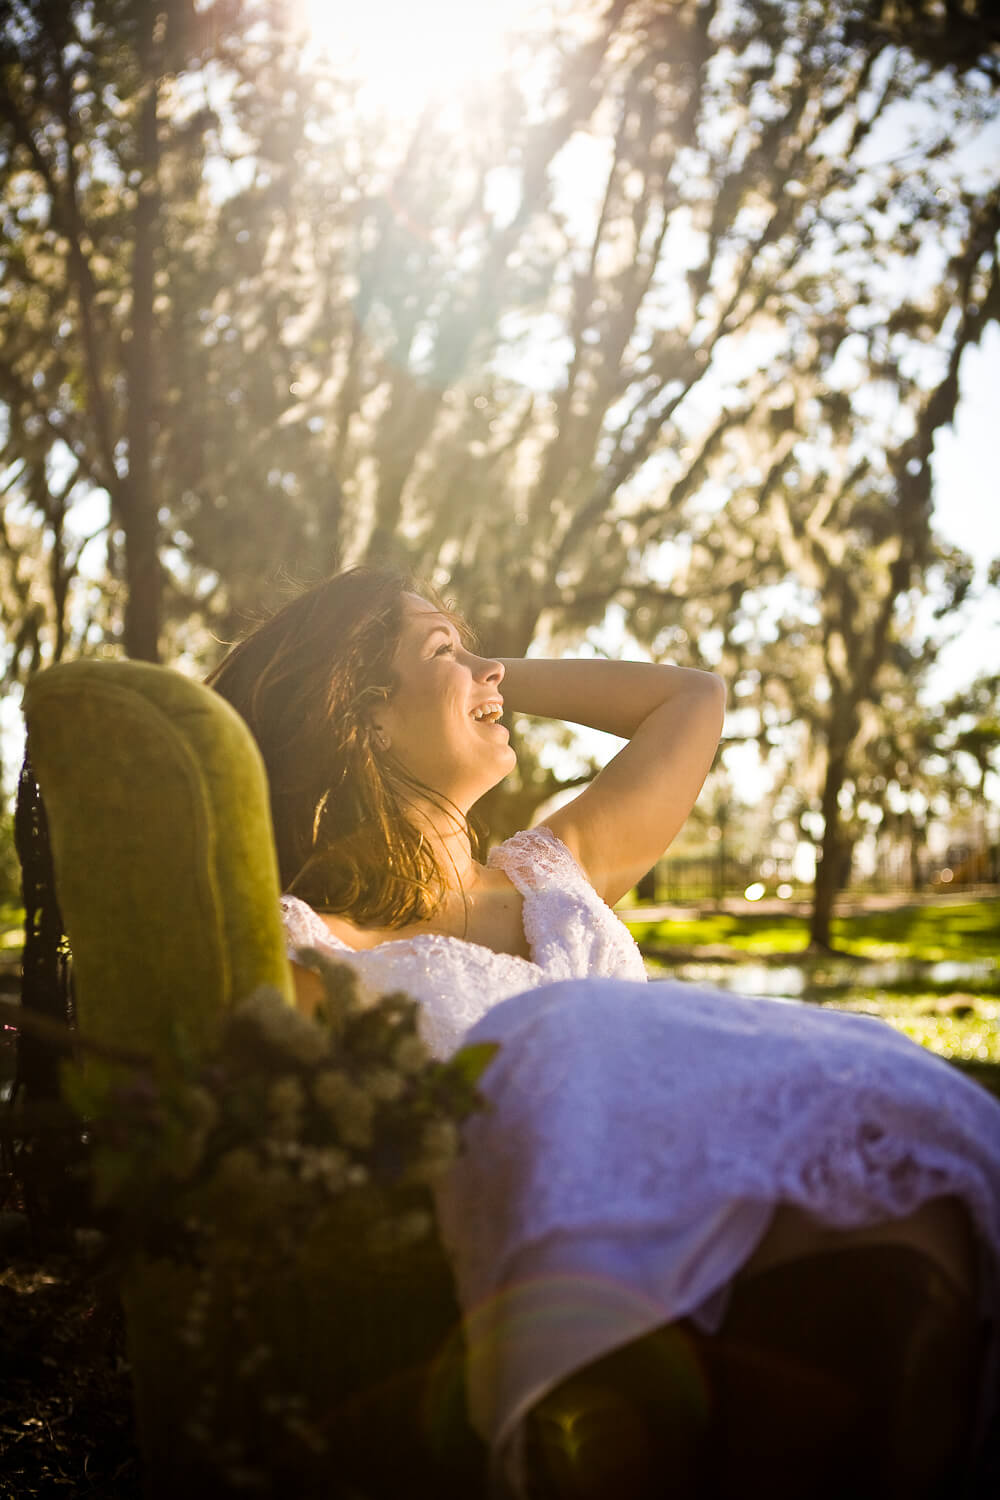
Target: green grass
(927, 933)
(11, 927)
(967, 1032)
(750, 933)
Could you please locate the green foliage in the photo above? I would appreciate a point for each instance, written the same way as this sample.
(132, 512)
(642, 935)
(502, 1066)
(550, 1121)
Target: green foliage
(346, 313)
(959, 37)
(10, 870)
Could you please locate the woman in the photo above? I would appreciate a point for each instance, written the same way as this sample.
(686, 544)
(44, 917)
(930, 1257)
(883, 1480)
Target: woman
(695, 1236)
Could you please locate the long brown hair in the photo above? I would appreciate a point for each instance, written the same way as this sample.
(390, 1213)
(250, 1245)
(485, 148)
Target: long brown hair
(306, 682)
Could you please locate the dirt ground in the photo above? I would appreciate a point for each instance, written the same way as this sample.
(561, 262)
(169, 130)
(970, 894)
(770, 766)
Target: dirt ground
(65, 1391)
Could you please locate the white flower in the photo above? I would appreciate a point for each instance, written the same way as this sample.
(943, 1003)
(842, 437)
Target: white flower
(327, 1165)
(384, 1084)
(410, 1055)
(351, 1108)
(284, 1026)
(238, 1167)
(438, 1149)
(398, 1234)
(285, 1103)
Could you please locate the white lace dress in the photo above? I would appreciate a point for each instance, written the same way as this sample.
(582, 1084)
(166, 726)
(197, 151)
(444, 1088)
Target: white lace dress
(639, 1136)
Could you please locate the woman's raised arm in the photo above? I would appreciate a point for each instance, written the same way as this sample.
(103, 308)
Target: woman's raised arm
(620, 825)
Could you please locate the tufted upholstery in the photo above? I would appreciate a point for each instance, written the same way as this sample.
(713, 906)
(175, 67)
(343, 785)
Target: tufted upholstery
(161, 838)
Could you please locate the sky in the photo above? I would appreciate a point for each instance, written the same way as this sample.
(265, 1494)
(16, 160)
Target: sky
(967, 510)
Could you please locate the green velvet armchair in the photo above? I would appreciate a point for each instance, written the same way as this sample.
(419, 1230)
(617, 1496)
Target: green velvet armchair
(159, 824)
(161, 837)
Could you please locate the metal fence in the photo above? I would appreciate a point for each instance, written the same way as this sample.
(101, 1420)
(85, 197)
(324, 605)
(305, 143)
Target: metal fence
(684, 878)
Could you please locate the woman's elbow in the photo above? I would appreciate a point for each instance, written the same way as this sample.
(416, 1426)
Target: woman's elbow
(712, 704)
(717, 685)
(712, 691)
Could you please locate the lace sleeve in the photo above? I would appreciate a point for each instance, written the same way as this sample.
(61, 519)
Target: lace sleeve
(535, 858)
(570, 930)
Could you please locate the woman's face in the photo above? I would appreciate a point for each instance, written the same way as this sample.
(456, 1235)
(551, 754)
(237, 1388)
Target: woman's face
(442, 721)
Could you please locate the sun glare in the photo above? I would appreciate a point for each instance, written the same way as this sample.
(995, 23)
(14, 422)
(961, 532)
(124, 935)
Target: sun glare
(403, 52)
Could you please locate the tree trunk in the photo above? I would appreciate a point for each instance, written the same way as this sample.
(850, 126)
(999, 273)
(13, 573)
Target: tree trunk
(830, 867)
(143, 578)
(916, 841)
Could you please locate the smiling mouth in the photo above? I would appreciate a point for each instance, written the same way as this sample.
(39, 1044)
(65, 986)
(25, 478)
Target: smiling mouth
(488, 713)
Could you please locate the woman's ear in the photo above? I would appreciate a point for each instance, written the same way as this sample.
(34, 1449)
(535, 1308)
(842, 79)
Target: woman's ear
(374, 713)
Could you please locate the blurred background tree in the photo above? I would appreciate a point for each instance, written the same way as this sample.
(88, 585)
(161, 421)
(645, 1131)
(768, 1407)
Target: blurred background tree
(655, 320)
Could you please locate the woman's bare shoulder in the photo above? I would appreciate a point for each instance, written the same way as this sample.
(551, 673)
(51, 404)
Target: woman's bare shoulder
(345, 930)
(361, 939)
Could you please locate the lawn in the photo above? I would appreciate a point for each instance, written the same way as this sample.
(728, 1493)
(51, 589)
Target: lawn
(924, 933)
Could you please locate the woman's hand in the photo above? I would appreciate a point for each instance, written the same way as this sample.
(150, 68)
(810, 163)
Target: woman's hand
(620, 825)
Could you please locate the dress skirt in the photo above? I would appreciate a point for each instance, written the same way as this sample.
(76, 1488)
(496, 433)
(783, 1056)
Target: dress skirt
(635, 1144)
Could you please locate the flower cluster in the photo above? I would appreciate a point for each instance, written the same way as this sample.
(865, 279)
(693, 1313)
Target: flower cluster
(299, 1111)
(290, 1168)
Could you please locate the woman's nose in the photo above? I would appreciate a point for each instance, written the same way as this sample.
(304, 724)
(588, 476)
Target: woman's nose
(490, 670)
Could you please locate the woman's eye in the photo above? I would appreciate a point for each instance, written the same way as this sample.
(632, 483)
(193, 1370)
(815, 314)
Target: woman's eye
(448, 648)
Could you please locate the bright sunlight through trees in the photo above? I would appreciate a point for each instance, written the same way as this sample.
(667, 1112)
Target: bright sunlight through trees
(404, 53)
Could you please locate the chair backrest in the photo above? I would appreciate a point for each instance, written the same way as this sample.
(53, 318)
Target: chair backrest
(160, 827)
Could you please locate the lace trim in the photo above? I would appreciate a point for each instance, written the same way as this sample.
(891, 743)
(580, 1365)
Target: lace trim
(305, 928)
